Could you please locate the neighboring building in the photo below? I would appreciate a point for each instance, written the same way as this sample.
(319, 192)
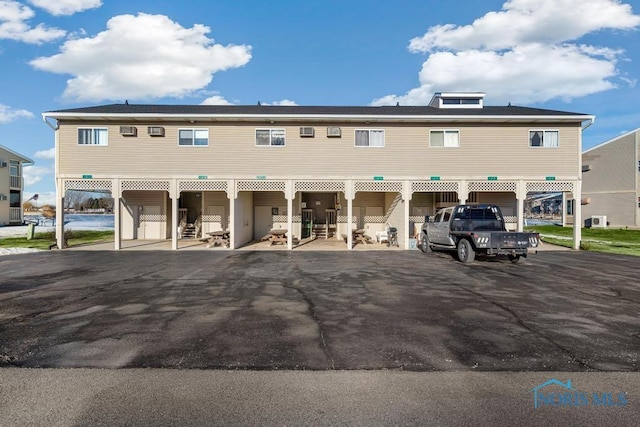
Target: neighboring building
(11, 186)
(611, 182)
(331, 170)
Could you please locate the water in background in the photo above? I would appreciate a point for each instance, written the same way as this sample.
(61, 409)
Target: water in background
(89, 221)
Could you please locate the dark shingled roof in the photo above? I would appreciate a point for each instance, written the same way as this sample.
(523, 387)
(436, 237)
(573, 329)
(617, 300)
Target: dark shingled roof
(239, 110)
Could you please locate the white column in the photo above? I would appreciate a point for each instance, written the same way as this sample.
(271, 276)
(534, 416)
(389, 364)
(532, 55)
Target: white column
(231, 195)
(117, 214)
(60, 192)
(406, 199)
(577, 214)
(564, 209)
(290, 223)
(463, 192)
(175, 199)
(521, 195)
(349, 194)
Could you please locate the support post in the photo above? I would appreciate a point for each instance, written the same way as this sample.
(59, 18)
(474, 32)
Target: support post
(463, 192)
(117, 214)
(406, 199)
(349, 195)
(231, 195)
(60, 193)
(577, 214)
(174, 221)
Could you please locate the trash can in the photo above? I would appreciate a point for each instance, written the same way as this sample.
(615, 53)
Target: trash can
(413, 243)
(31, 231)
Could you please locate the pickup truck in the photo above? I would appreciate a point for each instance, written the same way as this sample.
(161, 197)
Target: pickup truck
(472, 230)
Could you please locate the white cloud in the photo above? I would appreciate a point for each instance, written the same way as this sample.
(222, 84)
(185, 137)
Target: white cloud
(49, 154)
(528, 41)
(142, 57)
(66, 7)
(216, 100)
(8, 114)
(14, 26)
(530, 21)
(34, 174)
(282, 102)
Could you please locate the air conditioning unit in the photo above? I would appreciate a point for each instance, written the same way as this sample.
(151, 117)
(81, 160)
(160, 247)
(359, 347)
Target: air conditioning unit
(599, 221)
(156, 130)
(334, 132)
(307, 131)
(3, 164)
(128, 131)
(3, 197)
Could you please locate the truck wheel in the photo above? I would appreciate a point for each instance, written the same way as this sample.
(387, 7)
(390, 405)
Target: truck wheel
(514, 258)
(465, 251)
(424, 245)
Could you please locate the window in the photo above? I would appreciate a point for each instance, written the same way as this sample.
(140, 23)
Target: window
(14, 168)
(460, 101)
(369, 138)
(444, 138)
(193, 137)
(93, 136)
(543, 138)
(14, 199)
(270, 137)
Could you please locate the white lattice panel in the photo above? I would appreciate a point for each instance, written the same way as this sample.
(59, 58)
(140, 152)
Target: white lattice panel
(319, 186)
(88, 185)
(343, 219)
(153, 217)
(280, 218)
(212, 218)
(433, 186)
(261, 185)
(296, 218)
(202, 185)
(145, 185)
(374, 219)
(386, 186)
(493, 186)
(550, 186)
(510, 218)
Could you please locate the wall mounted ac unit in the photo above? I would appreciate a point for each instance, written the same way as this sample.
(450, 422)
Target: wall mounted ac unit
(156, 130)
(598, 221)
(3, 197)
(3, 164)
(307, 131)
(334, 132)
(128, 131)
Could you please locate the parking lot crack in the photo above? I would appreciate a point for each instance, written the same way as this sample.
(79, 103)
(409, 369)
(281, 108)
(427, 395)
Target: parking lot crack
(521, 323)
(312, 312)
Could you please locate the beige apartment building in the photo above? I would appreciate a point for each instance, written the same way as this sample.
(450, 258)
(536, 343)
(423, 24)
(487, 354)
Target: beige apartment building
(611, 182)
(11, 186)
(312, 171)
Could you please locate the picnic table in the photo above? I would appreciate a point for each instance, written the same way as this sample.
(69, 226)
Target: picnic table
(278, 236)
(360, 236)
(219, 237)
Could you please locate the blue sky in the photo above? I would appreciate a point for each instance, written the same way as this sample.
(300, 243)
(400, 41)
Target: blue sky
(571, 55)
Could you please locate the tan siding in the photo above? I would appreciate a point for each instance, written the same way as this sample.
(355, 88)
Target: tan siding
(269, 198)
(232, 153)
(613, 166)
(620, 208)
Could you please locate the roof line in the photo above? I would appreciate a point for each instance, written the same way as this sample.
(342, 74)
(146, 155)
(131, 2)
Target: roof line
(612, 140)
(24, 158)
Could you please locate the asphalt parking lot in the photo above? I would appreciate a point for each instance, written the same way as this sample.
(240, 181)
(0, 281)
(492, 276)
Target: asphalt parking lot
(400, 310)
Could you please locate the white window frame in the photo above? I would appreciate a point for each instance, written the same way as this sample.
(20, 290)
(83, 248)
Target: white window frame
(355, 138)
(444, 141)
(544, 132)
(92, 139)
(271, 137)
(193, 137)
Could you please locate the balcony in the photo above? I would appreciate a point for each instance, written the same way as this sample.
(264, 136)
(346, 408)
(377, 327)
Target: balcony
(15, 215)
(15, 182)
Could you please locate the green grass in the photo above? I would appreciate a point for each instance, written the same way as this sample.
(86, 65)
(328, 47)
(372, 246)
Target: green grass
(608, 240)
(45, 240)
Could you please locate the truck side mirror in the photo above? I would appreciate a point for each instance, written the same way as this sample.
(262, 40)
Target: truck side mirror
(426, 218)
